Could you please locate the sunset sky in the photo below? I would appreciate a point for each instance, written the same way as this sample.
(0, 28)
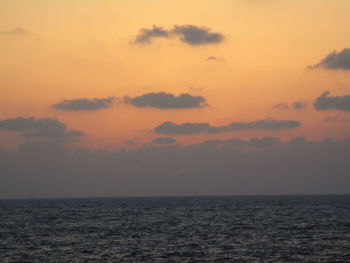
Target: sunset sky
(89, 74)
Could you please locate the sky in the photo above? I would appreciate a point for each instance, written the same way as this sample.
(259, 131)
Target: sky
(133, 98)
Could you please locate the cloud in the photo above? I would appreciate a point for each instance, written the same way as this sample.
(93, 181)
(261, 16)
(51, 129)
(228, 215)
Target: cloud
(145, 35)
(14, 31)
(335, 60)
(185, 128)
(189, 34)
(194, 35)
(41, 128)
(298, 105)
(326, 102)
(194, 128)
(263, 142)
(84, 104)
(335, 119)
(215, 58)
(268, 124)
(163, 100)
(256, 143)
(281, 106)
(164, 140)
(218, 167)
(129, 142)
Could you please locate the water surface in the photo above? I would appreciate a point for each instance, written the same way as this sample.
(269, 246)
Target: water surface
(177, 229)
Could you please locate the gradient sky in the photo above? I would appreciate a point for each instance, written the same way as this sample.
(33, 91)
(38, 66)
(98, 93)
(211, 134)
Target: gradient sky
(273, 62)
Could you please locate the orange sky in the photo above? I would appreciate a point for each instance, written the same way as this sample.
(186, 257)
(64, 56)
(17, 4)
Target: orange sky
(83, 49)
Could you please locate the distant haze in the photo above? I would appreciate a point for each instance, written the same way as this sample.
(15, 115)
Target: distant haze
(258, 166)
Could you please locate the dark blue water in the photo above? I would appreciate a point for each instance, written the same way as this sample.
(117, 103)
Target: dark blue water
(177, 229)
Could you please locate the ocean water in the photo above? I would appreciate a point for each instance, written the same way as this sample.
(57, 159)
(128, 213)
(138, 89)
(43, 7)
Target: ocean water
(177, 229)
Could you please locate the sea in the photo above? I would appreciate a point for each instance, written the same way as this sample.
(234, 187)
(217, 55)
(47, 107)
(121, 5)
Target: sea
(176, 229)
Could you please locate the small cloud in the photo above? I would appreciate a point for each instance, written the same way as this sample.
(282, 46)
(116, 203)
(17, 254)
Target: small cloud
(194, 35)
(257, 143)
(335, 60)
(267, 124)
(128, 142)
(145, 35)
(335, 119)
(164, 140)
(326, 102)
(215, 58)
(195, 128)
(14, 31)
(185, 128)
(298, 105)
(163, 100)
(195, 89)
(189, 34)
(84, 104)
(281, 106)
(41, 128)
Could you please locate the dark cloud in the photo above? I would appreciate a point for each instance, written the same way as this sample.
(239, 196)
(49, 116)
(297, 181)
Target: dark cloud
(194, 35)
(164, 140)
(335, 60)
(326, 102)
(41, 128)
(298, 105)
(224, 167)
(145, 35)
(185, 128)
(189, 34)
(14, 31)
(163, 100)
(84, 104)
(193, 128)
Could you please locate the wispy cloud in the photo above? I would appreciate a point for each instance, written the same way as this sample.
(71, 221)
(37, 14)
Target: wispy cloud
(164, 140)
(145, 35)
(215, 58)
(336, 119)
(194, 128)
(281, 106)
(296, 105)
(84, 104)
(14, 31)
